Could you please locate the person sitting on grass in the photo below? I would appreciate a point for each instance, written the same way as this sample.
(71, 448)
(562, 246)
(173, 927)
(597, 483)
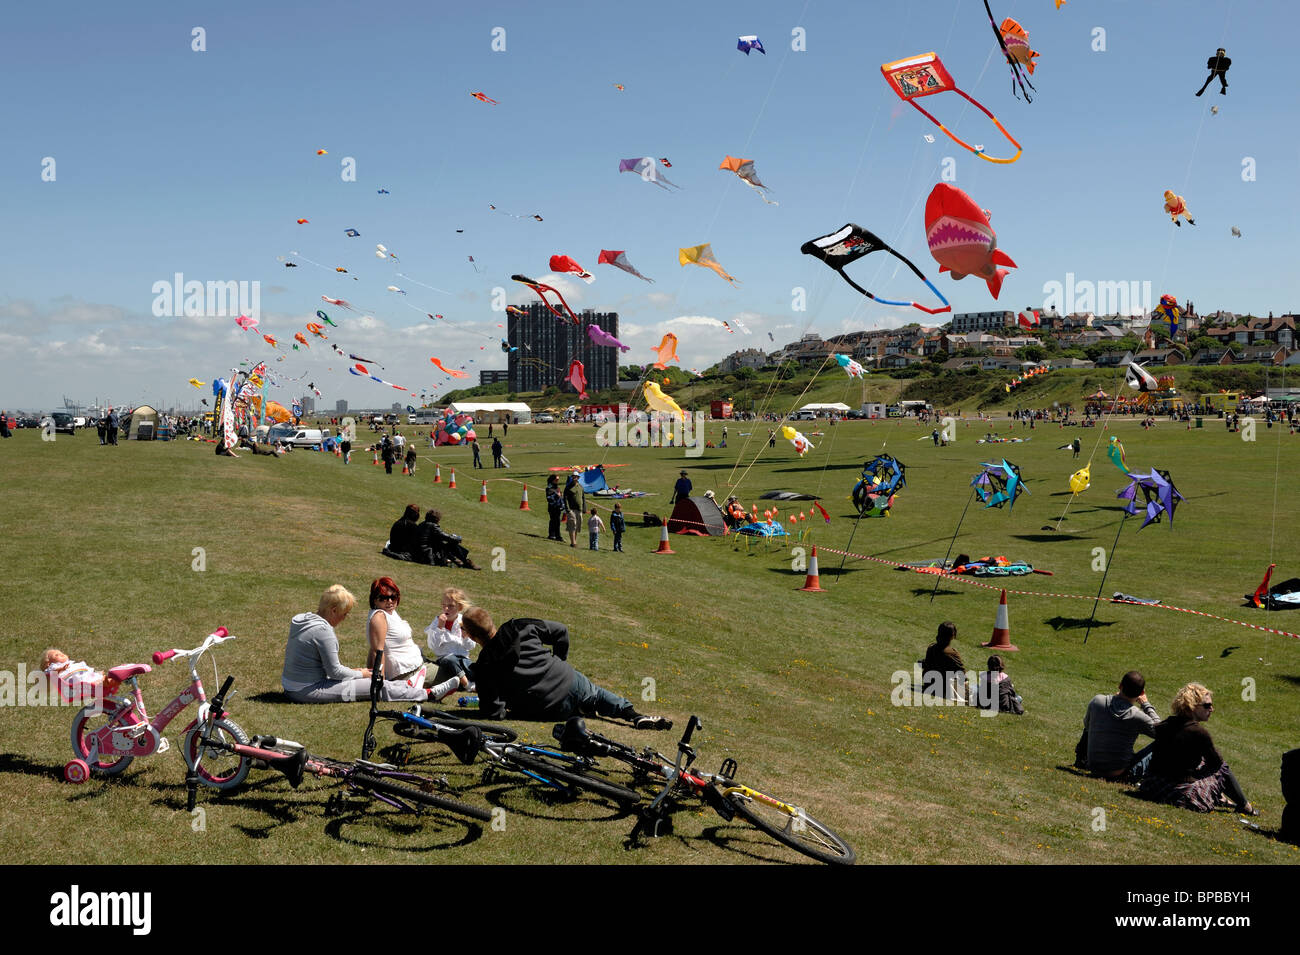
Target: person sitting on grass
(517, 676)
(404, 536)
(436, 546)
(995, 689)
(1111, 725)
(1186, 770)
(942, 666)
(448, 646)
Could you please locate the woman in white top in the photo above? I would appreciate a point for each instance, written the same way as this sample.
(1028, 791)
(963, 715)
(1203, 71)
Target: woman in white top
(448, 646)
(392, 635)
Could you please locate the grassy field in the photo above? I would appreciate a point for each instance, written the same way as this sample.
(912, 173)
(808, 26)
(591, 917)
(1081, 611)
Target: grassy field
(98, 551)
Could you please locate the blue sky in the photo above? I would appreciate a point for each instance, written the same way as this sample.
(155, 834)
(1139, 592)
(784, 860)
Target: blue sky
(170, 160)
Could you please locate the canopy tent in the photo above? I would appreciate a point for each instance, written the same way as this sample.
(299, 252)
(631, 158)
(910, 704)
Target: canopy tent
(820, 407)
(494, 412)
(143, 415)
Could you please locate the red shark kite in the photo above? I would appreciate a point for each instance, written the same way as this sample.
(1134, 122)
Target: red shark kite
(960, 238)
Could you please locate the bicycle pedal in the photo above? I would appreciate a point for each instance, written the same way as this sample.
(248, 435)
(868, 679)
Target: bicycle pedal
(163, 745)
(728, 768)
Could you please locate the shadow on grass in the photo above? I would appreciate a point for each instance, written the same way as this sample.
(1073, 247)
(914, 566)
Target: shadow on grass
(1050, 538)
(1294, 680)
(11, 763)
(1077, 623)
(404, 827)
(270, 696)
(927, 591)
(736, 838)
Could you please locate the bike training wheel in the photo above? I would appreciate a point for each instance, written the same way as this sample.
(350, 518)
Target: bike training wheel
(88, 721)
(802, 833)
(558, 770)
(219, 768)
(406, 791)
(491, 732)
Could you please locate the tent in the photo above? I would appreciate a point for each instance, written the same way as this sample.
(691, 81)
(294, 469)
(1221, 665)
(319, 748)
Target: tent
(143, 416)
(697, 515)
(494, 412)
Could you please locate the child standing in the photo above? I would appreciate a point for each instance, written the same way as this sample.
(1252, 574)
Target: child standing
(618, 526)
(594, 526)
(410, 459)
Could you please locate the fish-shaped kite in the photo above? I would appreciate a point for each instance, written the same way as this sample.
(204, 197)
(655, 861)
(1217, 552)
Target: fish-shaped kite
(562, 263)
(658, 401)
(336, 301)
(599, 336)
(302, 221)
(645, 168)
(961, 239)
(618, 259)
(270, 341)
(801, 443)
(1017, 44)
(702, 255)
(454, 372)
(196, 383)
(317, 330)
(246, 323)
(577, 377)
(744, 168)
(746, 43)
(1080, 479)
(300, 339)
(667, 350)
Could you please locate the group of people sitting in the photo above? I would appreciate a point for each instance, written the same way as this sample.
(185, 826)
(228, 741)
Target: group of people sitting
(522, 670)
(426, 542)
(944, 673)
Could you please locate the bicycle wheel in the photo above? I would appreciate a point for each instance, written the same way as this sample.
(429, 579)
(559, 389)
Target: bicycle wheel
(554, 769)
(88, 721)
(795, 829)
(218, 768)
(403, 790)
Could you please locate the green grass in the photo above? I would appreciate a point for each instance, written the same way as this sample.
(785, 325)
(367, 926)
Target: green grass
(97, 547)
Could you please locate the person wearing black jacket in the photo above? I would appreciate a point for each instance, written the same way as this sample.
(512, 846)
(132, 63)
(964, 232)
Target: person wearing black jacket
(1218, 66)
(554, 508)
(434, 545)
(517, 676)
(404, 536)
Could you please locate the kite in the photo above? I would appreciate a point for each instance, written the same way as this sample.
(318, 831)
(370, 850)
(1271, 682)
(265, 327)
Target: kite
(854, 369)
(270, 341)
(562, 263)
(246, 323)
(730, 330)
(839, 249)
(599, 336)
(302, 221)
(368, 361)
(382, 192)
(1218, 66)
(645, 168)
(742, 326)
(512, 215)
(541, 290)
(324, 318)
(928, 138)
(291, 265)
(300, 338)
(335, 301)
(473, 263)
(511, 310)
(1177, 206)
(1059, 4)
(666, 163)
(322, 152)
(998, 484)
(744, 168)
(277, 412)
(360, 370)
(1080, 479)
(658, 401)
(801, 443)
(746, 43)
(394, 288)
(1214, 111)
(1236, 232)
(702, 255)
(1029, 318)
(1160, 495)
(196, 383)
(1138, 377)
(339, 268)
(317, 330)
(667, 350)
(770, 338)
(1116, 454)
(351, 233)
(1014, 42)
(619, 87)
(577, 377)
(618, 259)
(961, 239)
(484, 98)
(508, 348)
(454, 372)
(882, 477)
(923, 75)
(381, 252)
(1166, 315)
(1283, 596)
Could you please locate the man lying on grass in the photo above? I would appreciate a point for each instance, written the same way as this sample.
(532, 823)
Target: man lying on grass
(518, 676)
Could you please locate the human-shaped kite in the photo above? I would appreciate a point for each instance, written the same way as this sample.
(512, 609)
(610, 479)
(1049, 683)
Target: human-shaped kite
(924, 75)
(1218, 66)
(1177, 206)
(839, 249)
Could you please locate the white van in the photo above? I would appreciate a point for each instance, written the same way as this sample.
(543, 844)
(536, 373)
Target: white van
(298, 437)
(804, 416)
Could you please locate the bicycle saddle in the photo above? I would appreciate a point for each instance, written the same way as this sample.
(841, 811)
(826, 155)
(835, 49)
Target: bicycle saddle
(293, 767)
(464, 743)
(572, 734)
(128, 670)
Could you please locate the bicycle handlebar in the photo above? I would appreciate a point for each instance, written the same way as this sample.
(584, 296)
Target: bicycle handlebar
(160, 656)
(215, 638)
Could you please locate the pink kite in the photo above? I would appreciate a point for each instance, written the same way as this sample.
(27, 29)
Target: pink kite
(454, 372)
(246, 323)
(667, 351)
(336, 301)
(577, 377)
(562, 263)
(618, 259)
(599, 336)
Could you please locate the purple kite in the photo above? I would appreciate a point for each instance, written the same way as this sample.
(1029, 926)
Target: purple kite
(1159, 492)
(599, 336)
(645, 168)
(618, 259)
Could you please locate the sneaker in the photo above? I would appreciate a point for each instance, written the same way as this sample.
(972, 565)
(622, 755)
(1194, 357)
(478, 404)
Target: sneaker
(444, 689)
(652, 723)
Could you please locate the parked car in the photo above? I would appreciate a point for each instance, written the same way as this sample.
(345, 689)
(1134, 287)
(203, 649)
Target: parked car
(60, 422)
(544, 418)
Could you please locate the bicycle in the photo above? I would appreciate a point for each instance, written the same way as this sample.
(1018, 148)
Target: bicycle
(406, 792)
(110, 733)
(788, 824)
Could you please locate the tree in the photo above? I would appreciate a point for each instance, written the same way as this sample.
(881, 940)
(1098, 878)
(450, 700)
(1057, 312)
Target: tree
(1031, 353)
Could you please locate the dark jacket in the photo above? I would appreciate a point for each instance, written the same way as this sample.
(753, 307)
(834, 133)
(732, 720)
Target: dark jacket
(1183, 751)
(404, 536)
(554, 502)
(617, 523)
(516, 675)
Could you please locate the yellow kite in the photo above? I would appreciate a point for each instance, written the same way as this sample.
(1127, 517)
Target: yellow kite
(702, 255)
(658, 401)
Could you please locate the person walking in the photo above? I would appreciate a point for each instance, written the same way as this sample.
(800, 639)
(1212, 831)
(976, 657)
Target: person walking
(497, 451)
(478, 458)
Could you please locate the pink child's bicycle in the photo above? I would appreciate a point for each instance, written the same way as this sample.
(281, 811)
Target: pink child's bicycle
(110, 733)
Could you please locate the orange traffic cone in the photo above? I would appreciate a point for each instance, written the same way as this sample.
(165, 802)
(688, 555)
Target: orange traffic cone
(376, 460)
(404, 471)
(451, 485)
(813, 583)
(437, 474)
(482, 495)
(663, 541)
(1001, 639)
(523, 504)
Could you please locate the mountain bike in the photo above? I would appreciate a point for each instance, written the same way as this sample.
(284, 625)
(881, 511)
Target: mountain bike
(113, 731)
(786, 823)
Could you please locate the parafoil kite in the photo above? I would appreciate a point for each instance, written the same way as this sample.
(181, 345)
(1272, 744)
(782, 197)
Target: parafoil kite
(1166, 315)
(666, 350)
(1138, 377)
(577, 377)
(1014, 42)
(1177, 206)
(839, 249)
(801, 443)
(997, 484)
(382, 192)
(351, 233)
(658, 401)
(1158, 490)
(852, 367)
(541, 291)
(562, 263)
(882, 476)
(1116, 454)
(381, 252)
(246, 323)
(1080, 479)
(924, 75)
(291, 265)
(484, 98)
(702, 255)
(746, 43)
(645, 168)
(454, 372)
(618, 259)
(961, 239)
(744, 168)
(325, 318)
(599, 336)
